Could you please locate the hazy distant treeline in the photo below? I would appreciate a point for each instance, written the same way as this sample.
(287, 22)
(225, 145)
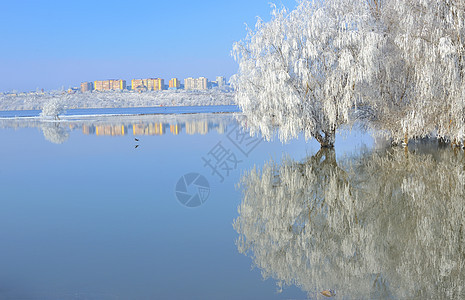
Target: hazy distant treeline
(116, 99)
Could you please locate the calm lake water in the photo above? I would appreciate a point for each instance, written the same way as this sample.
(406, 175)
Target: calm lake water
(195, 209)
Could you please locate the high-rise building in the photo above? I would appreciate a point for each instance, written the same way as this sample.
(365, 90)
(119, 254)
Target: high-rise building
(189, 83)
(202, 83)
(86, 86)
(221, 81)
(138, 85)
(108, 85)
(174, 84)
(151, 84)
(195, 83)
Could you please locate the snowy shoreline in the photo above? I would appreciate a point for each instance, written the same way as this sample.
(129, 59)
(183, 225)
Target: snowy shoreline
(124, 99)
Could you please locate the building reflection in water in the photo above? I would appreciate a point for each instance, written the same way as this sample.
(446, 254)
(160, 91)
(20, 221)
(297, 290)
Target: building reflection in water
(190, 128)
(388, 224)
(113, 130)
(59, 132)
(175, 129)
(148, 129)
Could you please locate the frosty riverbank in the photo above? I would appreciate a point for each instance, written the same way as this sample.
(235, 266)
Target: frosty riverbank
(36, 101)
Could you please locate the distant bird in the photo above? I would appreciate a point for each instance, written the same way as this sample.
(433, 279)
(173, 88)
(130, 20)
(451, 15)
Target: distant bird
(328, 293)
(136, 139)
(136, 146)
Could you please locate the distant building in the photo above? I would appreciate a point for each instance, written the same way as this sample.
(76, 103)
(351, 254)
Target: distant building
(87, 87)
(174, 84)
(109, 85)
(220, 81)
(195, 83)
(212, 84)
(139, 88)
(189, 83)
(150, 84)
(72, 90)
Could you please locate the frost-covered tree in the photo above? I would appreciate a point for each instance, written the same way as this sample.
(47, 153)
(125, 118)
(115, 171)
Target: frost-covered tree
(386, 224)
(300, 71)
(420, 89)
(304, 70)
(53, 108)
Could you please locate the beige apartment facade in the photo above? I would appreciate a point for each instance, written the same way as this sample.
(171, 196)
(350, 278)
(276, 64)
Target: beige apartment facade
(200, 83)
(150, 84)
(109, 85)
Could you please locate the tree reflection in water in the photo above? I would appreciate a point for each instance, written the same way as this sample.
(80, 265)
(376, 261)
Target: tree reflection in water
(55, 132)
(380, 225)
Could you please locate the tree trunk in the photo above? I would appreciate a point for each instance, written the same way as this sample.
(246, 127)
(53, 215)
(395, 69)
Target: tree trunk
(326, 141)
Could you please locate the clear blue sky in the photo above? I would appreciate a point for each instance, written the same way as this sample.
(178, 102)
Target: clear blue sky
(50, 44)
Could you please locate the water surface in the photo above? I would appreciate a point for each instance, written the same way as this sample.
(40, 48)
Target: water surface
(89, 212)
(159, 110)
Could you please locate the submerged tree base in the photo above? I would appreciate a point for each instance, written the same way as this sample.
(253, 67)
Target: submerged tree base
(326, 140)
(441, 142)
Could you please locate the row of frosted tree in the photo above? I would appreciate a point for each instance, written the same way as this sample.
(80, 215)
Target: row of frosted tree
(397, 65)
(115, 100)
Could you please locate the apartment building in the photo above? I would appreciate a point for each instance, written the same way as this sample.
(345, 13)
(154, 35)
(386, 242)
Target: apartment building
(200, 83)
(221, 81)
(174, 84)
(87, 86)
(150, 84)
(109, 85)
